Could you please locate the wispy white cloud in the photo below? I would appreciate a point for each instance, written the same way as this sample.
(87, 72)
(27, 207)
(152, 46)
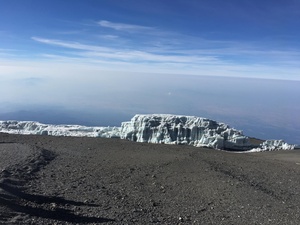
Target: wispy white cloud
(9, 53)
(71, 45)
(124, 26)
(198, 61)
(109, 37)
(170, 54)
(158, 55)
(133, 42)
(126, 55)
(69, 32)
(145, 48)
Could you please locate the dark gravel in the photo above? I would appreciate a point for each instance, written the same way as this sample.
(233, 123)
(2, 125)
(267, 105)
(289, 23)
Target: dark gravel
(67, 180)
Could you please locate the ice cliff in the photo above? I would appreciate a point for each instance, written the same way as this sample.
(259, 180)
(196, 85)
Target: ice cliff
(191, 130)
(156, 128)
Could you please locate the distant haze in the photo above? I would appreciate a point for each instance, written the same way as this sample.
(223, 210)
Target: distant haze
(261, 108)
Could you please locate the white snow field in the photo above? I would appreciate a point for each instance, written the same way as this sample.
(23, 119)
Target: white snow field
(156, 128)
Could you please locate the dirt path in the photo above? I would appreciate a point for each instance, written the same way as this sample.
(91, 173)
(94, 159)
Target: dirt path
(67, 180)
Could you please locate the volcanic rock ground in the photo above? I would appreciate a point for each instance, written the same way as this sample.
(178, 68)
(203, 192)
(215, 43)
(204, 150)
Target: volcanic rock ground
(68, 180)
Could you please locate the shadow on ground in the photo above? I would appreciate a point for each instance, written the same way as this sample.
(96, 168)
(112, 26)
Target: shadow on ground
(15, 202)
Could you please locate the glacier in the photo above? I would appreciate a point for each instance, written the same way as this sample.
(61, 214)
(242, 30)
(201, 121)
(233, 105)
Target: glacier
(156, 128)
(273, 145)
(36, 128)
(176, 129)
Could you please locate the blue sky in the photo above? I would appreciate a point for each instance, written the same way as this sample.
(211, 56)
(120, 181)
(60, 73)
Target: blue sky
(101, 61)
(240, 38)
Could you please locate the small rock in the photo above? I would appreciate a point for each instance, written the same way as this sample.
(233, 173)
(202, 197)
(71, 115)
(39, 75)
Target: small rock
(154, 220)
(137, 210)
(53, 206)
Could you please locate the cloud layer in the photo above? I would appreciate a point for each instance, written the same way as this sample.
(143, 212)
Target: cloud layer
(142, 48)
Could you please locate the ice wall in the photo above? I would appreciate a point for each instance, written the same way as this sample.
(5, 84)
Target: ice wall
(176, 129)
(156, 128)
